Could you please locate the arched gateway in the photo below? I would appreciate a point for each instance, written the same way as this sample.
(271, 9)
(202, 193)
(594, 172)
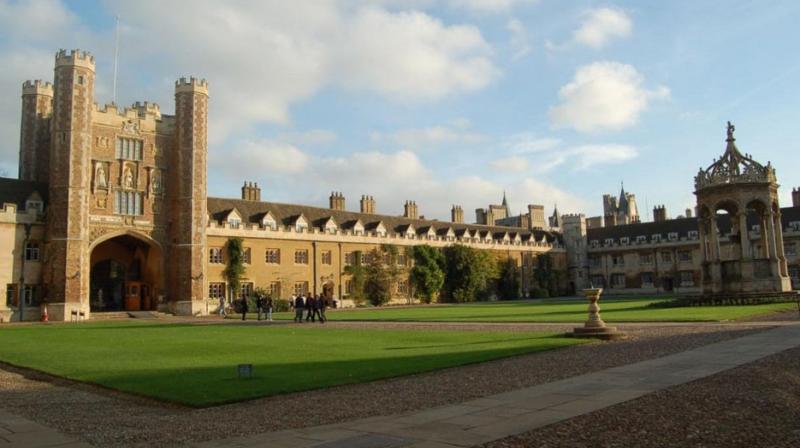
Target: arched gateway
(127, 273)
(737, 201)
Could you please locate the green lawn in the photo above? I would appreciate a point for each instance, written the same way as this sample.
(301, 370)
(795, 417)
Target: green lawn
(554, 310)
(196, 364)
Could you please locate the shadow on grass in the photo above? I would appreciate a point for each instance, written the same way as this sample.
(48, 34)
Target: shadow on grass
(217, 385)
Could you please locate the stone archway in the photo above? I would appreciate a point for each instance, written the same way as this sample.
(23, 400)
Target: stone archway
(125, 274)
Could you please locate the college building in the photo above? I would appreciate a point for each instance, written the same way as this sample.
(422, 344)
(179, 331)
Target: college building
(110, 212)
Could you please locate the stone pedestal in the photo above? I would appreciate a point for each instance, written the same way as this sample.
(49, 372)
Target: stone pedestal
(594, 326)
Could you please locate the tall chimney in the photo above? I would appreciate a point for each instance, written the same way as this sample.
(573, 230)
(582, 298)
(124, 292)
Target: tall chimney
(336, 201)
(795, 197)
(659, 213)
(688, 213)
(457, 214)
(367, 204)
(251, 191)
(410, 210)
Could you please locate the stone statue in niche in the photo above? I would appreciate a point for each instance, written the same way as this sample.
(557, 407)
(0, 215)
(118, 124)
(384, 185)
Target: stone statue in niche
(155, 181)
(127, 178)
(100, 178)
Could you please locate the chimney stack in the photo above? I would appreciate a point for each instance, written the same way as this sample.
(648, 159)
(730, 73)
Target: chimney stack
(659, 213)
(457, 214)
(688, 213)
(336, 201)
(410, 210)
(251, 191)
(367, 204)
(795, 197)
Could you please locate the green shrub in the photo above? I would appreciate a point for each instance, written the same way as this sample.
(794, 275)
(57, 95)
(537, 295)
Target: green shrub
(540, 293)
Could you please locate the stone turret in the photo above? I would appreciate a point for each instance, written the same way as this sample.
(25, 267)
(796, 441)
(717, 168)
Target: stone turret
(70, 179)
(34, 141)
(189, 173)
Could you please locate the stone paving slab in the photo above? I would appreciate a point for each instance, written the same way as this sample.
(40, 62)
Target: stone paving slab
(501, 415)
(19, 431)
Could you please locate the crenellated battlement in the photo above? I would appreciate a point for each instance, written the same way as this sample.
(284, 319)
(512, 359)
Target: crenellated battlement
(191, 85)
(75, 57)
(37, 87)
(147, 108)
(136, 110)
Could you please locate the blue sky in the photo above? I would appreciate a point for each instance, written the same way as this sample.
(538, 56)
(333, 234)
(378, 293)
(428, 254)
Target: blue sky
(443, 102)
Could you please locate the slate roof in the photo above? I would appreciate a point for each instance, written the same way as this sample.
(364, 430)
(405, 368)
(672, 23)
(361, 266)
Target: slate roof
(253, 211)
(17, 191)
(681, 226)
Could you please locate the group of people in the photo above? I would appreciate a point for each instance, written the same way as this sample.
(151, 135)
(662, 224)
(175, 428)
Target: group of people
(314, 307)
(263, 305)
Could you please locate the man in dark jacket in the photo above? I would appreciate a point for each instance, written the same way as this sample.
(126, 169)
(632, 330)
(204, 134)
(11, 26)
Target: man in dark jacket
(259, 305)
(298, 309)
(244, 308)
(322, 303)
(311, 305)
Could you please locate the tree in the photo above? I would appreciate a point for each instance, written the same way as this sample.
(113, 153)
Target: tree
(378, 280)
(357, 273)
(235, 267)
(508, 283)
(469, 273)
(427, 275)
(547, 278)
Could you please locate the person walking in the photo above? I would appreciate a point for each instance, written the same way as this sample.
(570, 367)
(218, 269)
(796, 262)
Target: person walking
(244, 308)
(310, 306)
(259, 305)
(298, 309)
(268, 306)
(322, 305)
(222, 307)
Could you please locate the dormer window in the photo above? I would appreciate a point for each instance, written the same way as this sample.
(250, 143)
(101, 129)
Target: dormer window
(641, 239)
(672, 236)
(609, 242)
(624, 240)
(234, 223)
(594, 243)
(694, 234)
(656, 237)
(269, 222)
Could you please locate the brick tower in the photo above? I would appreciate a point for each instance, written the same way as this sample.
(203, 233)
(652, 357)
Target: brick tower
(34, 138)
(69, 174)
(188, 196)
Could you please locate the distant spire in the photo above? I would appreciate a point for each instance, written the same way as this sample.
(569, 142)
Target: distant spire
(505, 202)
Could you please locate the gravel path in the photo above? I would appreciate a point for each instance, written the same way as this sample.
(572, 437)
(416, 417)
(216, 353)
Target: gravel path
(106, 418)
(755, 405)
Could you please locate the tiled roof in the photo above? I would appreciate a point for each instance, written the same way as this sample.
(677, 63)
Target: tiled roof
(253, 211)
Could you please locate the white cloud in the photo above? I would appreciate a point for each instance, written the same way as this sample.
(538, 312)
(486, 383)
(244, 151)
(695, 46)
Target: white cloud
(529, 143)
(488, 6)
(603, 96)
(310, 137)
(257, 158)
(589, 156)
(520, 42)
(427, 138)
(413, 56)
(601, 25)
(512, 164)
(37, 21)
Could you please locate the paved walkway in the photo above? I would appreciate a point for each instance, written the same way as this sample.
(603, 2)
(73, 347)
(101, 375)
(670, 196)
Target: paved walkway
(497, 416)
(18, 431)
